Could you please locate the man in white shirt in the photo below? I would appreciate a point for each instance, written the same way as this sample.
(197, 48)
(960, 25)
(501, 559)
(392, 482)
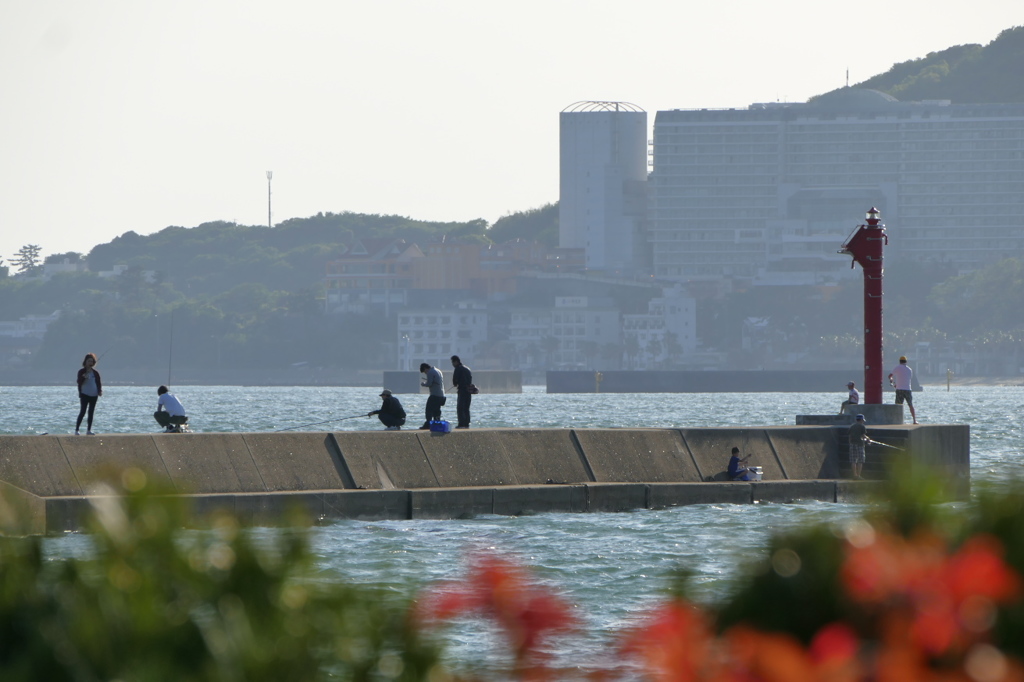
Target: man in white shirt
(854, 398)
(901, 377)
(170, 413)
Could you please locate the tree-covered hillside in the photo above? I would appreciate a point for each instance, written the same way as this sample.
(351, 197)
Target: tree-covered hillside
(966, 74)
(237, 296)
(215, 257)
(537, 224)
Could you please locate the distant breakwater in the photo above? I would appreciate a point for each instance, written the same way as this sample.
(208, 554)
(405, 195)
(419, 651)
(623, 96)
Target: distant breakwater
(421, 474)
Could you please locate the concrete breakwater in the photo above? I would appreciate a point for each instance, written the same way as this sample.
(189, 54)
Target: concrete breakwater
(46, 482)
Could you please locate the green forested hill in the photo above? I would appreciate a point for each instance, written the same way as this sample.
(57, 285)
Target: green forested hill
(965, 74)
(237, 296)
(214, 257)
(537, 224)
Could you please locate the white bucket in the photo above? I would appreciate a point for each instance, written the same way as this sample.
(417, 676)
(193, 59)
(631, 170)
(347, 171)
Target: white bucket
(757, 472)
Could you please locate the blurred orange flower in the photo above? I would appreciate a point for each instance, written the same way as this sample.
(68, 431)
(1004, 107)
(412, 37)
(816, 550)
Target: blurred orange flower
(498, 589)
(949, 600)
(919, 613)
(673, 645)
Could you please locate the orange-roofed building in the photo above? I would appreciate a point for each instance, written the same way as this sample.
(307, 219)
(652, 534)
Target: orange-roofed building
(372, 273)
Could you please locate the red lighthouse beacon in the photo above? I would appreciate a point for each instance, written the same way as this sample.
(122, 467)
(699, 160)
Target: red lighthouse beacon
(866, 245)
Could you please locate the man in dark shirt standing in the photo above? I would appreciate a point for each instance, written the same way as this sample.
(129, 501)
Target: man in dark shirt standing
(462, 379)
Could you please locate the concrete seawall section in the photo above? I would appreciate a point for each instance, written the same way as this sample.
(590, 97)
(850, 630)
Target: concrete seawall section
(46, 481)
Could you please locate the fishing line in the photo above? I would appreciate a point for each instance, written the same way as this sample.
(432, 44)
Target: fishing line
(336, 419)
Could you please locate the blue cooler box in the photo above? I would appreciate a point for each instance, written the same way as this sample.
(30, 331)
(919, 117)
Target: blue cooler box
(442, 426)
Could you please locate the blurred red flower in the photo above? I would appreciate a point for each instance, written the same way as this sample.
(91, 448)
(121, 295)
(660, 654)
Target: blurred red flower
(673, 645)
(498, 589)
(948, 601)
(918, 613)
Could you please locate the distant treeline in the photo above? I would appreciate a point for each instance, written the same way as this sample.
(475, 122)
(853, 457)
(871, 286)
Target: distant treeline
(234, 296)
(215, 257)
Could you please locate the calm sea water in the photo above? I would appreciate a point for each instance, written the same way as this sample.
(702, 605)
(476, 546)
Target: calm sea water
(611, 567)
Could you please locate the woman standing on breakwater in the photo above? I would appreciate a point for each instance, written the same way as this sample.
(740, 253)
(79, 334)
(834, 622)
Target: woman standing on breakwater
(90, 387)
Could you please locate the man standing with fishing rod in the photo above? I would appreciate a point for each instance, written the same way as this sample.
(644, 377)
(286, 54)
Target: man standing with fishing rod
(902, 379)
(462, 380)
(858, 439)
(434, 382)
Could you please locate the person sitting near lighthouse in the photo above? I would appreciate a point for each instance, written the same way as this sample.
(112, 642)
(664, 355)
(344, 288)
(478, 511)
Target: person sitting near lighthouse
(170, 413)
(854, 398)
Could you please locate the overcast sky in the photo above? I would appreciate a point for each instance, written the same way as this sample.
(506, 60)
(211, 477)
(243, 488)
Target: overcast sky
(122, 115)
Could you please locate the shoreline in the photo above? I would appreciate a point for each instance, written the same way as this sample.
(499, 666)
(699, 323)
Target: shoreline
(373, 379)
(967, 382)
(976, 381)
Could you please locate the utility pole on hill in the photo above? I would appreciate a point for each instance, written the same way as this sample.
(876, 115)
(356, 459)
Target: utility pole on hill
(270, 174)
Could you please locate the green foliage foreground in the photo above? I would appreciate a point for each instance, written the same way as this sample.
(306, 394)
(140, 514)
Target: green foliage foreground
(153, 602)
(917, 589)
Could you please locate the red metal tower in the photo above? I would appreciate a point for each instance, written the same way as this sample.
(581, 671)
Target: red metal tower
(866, 245)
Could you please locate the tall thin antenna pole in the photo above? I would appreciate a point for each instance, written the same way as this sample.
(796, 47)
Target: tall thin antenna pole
(270, 175)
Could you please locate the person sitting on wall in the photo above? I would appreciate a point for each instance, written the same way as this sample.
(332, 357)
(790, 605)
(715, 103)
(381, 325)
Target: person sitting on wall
(737, 472)
(854, 398)
(170, 413)
(391, 413)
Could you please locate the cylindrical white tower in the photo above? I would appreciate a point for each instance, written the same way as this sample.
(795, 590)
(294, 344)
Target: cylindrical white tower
(603, 180)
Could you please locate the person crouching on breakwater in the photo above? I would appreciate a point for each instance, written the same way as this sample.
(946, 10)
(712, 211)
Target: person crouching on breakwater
(737, 472)
(391, 413)
(170, 413)
(434, 381)
(854, 398)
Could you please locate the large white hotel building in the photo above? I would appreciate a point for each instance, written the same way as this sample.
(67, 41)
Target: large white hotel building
(770, 192)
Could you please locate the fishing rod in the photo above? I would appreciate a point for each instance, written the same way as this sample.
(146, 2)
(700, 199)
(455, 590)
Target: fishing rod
(170, 349)
(884, 445)
(336, 419)
(104, 353)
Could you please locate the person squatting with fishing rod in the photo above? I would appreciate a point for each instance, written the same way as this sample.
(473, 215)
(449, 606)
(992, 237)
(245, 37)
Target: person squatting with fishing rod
(90, 388)
(391, 413)
(170, 413)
